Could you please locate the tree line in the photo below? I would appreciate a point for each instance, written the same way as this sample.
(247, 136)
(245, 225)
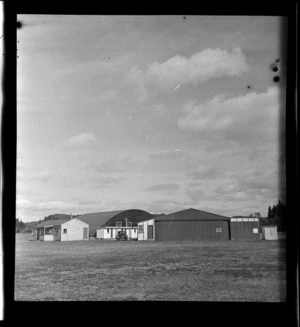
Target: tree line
(277, 216)
(27, 227)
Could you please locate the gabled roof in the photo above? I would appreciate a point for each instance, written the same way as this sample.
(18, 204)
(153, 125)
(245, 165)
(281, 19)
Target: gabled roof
(191, 214)
(49, 223)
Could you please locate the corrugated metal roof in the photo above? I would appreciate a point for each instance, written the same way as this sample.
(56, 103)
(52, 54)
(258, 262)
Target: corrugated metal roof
(49, 223)
(191, 214)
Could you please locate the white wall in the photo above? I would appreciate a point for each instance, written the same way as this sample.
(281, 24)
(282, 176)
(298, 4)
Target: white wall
(74, 230)
(102, 233)
(134, 233)
(144, 235)
(48, 238)
(269, 233)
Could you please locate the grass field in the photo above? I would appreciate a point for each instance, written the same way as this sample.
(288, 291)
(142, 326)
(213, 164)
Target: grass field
(159, 271)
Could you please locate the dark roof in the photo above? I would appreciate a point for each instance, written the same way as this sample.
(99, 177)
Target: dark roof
(49, 223)
(133, 215)
(191, 214)
(97, 219)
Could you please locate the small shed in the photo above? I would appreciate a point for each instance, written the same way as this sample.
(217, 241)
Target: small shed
(146, 230)
(61, 230)
(269, 233)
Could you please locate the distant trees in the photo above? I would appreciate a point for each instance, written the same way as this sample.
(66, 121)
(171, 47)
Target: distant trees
(19, 225)
(277, 215)
(27, 227)
(255, 215)
(59, 217)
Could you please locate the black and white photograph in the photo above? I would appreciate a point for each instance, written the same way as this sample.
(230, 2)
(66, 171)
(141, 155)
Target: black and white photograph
(151, 158)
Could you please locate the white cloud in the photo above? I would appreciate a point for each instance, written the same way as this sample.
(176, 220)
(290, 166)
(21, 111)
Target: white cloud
(206, 173)
(196, 195)
(163, 187)
(179, 70)
(81, 140)
(250, 117)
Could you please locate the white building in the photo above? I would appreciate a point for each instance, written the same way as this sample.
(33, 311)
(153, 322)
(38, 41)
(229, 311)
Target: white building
(269, 233)
(61, 230)
(146, 230)
(111, 232)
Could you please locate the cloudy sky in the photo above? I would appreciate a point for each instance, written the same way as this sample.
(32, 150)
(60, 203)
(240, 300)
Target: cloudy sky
(159, 113)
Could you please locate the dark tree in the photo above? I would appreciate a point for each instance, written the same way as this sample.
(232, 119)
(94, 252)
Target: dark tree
(277, 216)
(269, 212)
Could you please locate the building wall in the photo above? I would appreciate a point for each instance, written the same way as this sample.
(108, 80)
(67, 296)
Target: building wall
(40, 234)
(193, 230)
(244, 229)
(143, 235)
(48, 238)
(100, 233)
(74, 230)
(34, 234)
(269, 233)
(111, 232)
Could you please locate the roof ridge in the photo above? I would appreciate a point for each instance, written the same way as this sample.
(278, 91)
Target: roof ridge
(210, 213)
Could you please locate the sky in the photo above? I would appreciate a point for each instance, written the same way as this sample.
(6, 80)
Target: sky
(158, 113)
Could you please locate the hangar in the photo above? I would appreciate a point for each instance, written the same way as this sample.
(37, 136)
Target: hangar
(192, 224)
(244, 229)
(126, 220)
(196, 225)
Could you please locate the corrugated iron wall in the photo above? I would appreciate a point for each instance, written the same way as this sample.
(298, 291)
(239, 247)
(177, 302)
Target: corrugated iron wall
(191, 230)
(243, 230)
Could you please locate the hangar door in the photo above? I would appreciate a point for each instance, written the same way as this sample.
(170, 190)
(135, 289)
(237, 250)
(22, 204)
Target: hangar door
(193, 230)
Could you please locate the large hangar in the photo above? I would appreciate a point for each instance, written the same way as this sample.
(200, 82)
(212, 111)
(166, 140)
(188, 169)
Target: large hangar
(192, 224)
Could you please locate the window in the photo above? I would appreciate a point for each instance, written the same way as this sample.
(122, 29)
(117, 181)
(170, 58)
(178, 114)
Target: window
(107, 230)
(141, 228)
(134, 230)
(255, 230)
(129, 224)
(219, 230)
(65, 231)
(119, 224)
(48, 231)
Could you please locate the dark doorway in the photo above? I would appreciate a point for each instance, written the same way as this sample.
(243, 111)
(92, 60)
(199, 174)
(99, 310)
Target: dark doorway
(85, 233)
(150, 232)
